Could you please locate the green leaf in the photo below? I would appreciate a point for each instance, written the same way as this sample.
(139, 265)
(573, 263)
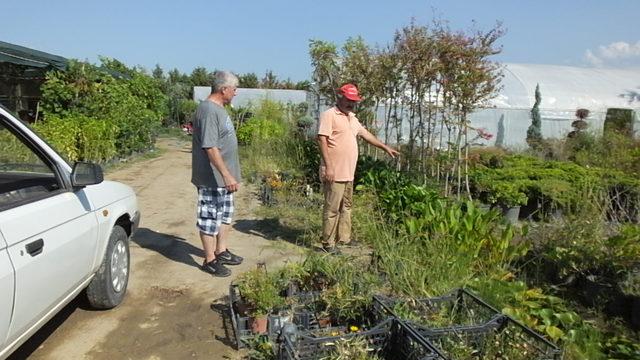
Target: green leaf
(554, 332)
(547, 316)
(568, 318)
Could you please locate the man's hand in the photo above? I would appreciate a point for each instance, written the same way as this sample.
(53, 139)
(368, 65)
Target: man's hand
(371, 139)
(327, 174)
(231, 184)
(215, 158)
(392, 152)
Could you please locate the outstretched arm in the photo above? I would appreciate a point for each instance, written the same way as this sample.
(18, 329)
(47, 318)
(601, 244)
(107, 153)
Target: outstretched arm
(371, 139)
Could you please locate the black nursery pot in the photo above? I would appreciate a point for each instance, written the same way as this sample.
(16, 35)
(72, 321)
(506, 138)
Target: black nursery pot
(531, 210)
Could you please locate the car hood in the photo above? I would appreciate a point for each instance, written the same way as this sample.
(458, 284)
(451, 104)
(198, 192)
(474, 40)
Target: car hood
(107, 193)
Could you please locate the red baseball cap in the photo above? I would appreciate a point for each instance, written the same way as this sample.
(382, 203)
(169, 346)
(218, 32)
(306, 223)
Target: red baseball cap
(350, 91)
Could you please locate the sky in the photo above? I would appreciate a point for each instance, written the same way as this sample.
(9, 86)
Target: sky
(255, 36)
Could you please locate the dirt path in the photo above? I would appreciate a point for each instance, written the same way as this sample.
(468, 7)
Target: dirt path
(172, 309)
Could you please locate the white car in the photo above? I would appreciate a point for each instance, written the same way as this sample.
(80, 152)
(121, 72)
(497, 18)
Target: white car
(62, 230)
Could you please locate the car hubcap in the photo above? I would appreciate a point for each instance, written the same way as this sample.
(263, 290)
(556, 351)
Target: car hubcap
(119, 266)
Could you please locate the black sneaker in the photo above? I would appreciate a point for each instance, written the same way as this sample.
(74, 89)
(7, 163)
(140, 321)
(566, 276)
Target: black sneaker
(228, 258)
(215, 268)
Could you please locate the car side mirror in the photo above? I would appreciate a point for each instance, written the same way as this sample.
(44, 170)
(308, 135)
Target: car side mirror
(85, 173)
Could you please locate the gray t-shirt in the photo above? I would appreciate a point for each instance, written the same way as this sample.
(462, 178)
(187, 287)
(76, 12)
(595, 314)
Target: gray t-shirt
(212, 127)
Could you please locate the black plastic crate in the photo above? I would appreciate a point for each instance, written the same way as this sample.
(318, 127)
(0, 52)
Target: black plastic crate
(391, 339)
(501, 338)
(458, 308)
(304, 320)
(464, 326)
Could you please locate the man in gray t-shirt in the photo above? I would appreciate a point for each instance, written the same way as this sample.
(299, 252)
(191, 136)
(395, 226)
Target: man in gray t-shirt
(213, 128)
(216, 173)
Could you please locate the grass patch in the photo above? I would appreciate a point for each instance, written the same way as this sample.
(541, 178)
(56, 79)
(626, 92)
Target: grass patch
(293, 217)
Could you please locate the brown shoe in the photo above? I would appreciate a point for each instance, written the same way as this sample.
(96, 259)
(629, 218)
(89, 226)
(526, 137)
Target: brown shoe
(332, 250)
(349, 244)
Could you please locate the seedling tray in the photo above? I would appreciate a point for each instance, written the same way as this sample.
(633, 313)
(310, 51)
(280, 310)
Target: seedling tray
(304, 320)
(458, 308)
(391, 339)
(463, 326)
(502, 338)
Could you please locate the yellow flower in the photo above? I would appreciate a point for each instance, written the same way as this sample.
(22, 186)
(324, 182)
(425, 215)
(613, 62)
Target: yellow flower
(353, 328)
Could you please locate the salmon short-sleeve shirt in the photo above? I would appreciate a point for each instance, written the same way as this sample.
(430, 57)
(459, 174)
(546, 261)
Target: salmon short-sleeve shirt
(341, 132)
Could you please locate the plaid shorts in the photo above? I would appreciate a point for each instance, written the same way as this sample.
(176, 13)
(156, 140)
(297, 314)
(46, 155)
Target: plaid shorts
(215, 207)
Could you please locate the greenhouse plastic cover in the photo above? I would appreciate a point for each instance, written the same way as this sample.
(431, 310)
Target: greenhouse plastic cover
(568, 88)
(564, 89)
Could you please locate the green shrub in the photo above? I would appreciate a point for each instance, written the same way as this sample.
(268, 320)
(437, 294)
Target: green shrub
(62, 134)
(436, 244)
(133, 103)
(598, 152)
(619, 121)
(97, 140)
(78, 137)
(187, 109)
(268, 122)
(14, 151)
(273, 144)
(563, 185)
(260, 129)
(587, 247)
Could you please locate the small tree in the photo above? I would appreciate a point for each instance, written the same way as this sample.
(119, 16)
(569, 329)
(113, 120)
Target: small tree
(534, 132)
(500, 135)
(325, 62)
(580, 124)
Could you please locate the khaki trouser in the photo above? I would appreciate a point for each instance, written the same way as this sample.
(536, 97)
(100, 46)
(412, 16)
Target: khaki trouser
(336, 214)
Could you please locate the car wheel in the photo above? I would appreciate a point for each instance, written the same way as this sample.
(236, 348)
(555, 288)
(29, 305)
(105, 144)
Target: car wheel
(108, 287)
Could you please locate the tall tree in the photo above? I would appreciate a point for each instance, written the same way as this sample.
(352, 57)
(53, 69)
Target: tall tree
(158, 73)
(249, 81)
(326, 72)
(500, 134)
(269, 81)
(303, 85)
(200, 77)
(534, 132)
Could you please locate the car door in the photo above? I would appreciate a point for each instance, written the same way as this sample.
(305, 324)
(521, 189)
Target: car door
(6, 295)
(49, 229)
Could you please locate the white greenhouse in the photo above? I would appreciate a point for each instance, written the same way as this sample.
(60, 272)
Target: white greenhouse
(563, 89)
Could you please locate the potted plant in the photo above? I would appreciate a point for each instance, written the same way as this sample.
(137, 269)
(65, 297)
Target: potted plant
(260, 292)
(291, 278)
(349, 301)
(322, 271)
(508, 195)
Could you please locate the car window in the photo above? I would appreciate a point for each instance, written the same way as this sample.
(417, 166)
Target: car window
(24, 175)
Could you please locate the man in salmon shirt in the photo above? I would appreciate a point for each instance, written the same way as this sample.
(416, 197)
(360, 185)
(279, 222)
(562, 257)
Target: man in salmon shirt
(338, 130)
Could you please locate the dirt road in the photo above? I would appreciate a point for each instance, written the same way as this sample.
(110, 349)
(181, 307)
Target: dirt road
(172, 310)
